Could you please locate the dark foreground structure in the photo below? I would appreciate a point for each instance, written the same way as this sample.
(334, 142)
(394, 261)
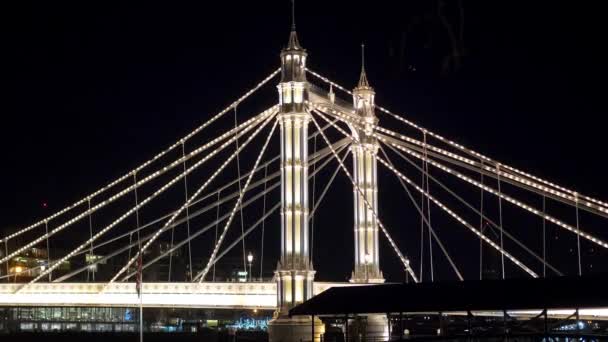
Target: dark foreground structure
(551, 309)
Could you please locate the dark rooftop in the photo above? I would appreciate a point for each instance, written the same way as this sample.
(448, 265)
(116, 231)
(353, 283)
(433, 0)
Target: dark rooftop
(509, 294)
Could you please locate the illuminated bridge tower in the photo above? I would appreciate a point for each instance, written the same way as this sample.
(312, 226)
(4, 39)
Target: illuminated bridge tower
(367, 265)
(294, 274)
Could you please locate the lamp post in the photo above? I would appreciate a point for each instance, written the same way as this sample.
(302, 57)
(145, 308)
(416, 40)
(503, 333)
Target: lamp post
(368, 260)
(250, 261)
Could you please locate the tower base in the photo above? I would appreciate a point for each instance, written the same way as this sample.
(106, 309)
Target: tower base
(295, 329)
(373, 327)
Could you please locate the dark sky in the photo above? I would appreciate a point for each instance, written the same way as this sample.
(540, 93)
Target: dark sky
(90, 91)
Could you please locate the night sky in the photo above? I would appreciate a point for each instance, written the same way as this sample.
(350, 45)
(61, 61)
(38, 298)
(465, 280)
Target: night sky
(91, 91)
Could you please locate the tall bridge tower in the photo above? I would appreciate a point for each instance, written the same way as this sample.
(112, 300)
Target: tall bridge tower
(364, 149)
(294, 273)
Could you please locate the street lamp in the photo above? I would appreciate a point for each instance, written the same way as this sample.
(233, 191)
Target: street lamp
(368, 260)
(250, 261)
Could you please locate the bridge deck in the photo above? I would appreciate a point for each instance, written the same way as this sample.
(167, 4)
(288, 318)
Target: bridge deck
(260, 295)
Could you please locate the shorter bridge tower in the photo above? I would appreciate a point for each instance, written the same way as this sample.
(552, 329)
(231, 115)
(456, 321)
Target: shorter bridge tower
(364, 149)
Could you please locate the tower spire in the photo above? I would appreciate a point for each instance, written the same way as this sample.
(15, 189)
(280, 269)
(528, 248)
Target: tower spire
(293, 15)
(294, 43)
(363, 83)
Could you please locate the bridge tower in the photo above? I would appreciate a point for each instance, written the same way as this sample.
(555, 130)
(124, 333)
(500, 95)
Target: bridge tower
(294, 273)
(367, 265)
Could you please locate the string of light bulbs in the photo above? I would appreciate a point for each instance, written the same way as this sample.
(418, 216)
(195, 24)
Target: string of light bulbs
(139, 205)
(144, 164)
(443, 207)
(460, 147)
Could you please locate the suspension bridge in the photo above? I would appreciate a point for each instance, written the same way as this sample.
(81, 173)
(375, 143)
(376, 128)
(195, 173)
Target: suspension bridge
(189, 177)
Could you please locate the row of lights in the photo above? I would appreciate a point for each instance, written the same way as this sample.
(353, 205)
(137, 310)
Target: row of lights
(392, 243)
(145, 164)
(469, 151)
(209, 180)
(512, 200)
(234, 209)
(102, 204)
(474, 163)
(450, 212)
(459, 219)
(139, 205)
(503, 196)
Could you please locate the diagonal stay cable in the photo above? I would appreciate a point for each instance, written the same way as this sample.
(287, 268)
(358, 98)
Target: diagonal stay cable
(225, 229)
(404, 261)
(200, 189)
(146, 163)
(137, 207)
(478, 212)
(427, 222)
(247, 127)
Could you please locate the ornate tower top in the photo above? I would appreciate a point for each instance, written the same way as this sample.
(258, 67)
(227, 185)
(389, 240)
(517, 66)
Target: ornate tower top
(364, 101)
(363, 83)
(293, 44)
(293, 91)
(293, 57)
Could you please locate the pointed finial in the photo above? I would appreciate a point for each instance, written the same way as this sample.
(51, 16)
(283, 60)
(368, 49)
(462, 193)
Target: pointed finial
(362, 57)
(363, 78)
(293, 15)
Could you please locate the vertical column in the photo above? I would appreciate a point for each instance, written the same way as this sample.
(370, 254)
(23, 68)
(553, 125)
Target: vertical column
(367, 263)
(364, 150)
(294, 272)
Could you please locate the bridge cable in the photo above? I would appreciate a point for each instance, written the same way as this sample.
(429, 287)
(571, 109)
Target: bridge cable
(195, 195)
(327, 186)
(446, 209)
(339, 146)
(490, 171)
(263, 224)
(238, 167)
(48, 248)
(150, 161)
(276, 207)
(151, 197)
(428, 223)
(177, 223)
(404, 260)
(190, 266)
(428, 207)
(502, 257)
(471, 181)
(217, 222)
(422, 205)
(7, 266)
(487, 220)
(501, 195)
(248, 125)
(601, 206)
(137, 215)
(254, 198)
(578, 239)
(315, 159)
(544, 238)
(90, 238)
(460, 219)
(312, 217)
(241, 195)
(481, 226)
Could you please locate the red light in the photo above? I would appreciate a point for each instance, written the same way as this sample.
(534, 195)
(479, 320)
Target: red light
(44, 204)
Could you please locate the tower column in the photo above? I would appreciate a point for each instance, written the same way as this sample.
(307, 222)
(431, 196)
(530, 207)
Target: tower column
(294, 274)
